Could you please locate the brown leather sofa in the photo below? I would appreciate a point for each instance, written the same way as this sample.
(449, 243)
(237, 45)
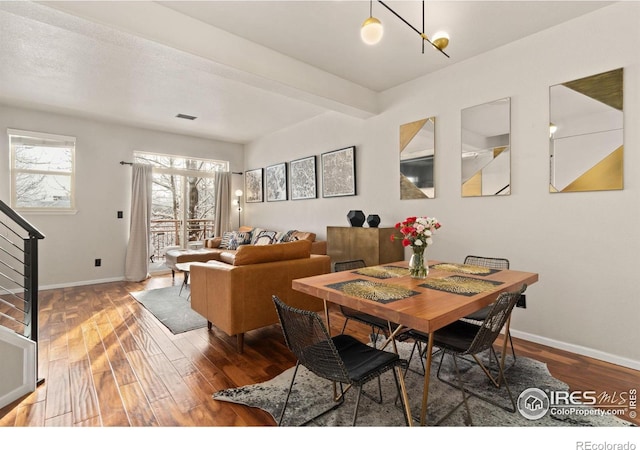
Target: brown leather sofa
(235, 293)
(211, 250)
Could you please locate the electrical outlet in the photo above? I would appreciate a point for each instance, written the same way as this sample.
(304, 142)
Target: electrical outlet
(522, 301)
(98, 262)
(120, 215)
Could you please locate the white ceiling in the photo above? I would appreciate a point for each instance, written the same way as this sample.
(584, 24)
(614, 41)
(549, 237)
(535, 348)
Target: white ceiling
(245, 69)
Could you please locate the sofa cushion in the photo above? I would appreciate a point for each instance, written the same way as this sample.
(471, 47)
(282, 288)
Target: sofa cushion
(256, 254)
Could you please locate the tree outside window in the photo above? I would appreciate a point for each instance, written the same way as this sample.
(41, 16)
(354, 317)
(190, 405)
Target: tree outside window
(42, 170)
(183, 199)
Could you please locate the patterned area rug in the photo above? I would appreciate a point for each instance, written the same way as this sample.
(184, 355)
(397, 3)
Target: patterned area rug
(171, 308)
(312, 395)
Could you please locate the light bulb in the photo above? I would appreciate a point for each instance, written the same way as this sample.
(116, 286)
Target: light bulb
(440, 39)
(239, 193)
(371, 31)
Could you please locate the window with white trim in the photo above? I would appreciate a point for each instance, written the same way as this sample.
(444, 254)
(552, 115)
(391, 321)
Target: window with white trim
(42, 171)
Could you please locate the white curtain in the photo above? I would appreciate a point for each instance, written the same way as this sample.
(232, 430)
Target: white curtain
(223, 203)
(137, 261)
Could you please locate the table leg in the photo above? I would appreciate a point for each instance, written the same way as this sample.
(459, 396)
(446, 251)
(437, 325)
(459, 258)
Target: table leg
(427, 374)
(326, 318)
(326, 315)
(405, 397)
(403, 387)
(184, 282)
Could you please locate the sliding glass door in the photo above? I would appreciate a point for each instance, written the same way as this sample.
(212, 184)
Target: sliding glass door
(183, 200)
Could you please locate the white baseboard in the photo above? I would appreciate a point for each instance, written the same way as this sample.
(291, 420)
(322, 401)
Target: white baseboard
(578, 349)
(80, 283)
(162, 271)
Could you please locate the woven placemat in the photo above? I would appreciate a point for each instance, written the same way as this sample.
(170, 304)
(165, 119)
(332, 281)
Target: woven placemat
(469, 269)
(456, 284)
(383, 272)
(371, 290)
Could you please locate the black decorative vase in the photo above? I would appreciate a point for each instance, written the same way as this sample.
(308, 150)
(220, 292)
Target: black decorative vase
(356, 218)
(373, 220)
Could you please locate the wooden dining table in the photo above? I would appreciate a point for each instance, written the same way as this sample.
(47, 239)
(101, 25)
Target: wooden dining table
(450, 292)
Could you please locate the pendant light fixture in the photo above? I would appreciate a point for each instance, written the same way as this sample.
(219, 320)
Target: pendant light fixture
(371, 31)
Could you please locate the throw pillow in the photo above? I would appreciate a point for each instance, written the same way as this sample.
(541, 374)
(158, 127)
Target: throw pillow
(265, 237)
(233, 242)
(232, 239)
(226, 239)
(286, 236)
(264, 240)
(254, 234)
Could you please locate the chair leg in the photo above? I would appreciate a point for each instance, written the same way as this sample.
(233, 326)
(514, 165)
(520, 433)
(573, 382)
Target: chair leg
(399, 396)
(286, 400)
(344, 327)
(355, 410)
(462, 390)
(417, 345)
(491, 378)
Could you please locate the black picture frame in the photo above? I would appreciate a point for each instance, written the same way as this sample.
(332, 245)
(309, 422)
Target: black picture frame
(303, 178)
(276, 186)
(253, 186)
(339, 172)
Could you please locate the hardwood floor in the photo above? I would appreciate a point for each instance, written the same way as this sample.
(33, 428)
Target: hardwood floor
(108, 362)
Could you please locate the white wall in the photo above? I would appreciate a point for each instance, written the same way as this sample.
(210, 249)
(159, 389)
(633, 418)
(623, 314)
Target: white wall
(583, 245)
(103, 187)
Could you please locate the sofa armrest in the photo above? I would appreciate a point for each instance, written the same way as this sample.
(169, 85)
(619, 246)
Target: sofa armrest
(213, 242)
(237, 299)
(319, 247)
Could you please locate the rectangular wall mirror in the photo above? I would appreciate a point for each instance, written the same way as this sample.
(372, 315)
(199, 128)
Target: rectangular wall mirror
(486, 149)
(586, 134)
(417, 153)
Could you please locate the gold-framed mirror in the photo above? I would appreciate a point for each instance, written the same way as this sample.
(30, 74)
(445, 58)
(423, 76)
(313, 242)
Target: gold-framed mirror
(486, 149)
(586, 134)
(417, 155)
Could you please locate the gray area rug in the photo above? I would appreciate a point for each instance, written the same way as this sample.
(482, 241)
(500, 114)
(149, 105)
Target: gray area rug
(312, 395)
(173, 310)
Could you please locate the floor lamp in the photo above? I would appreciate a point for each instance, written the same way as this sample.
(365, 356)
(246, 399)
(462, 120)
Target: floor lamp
(238, 203)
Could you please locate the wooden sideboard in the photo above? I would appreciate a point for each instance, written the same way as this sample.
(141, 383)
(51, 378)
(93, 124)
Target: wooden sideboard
(373, 245)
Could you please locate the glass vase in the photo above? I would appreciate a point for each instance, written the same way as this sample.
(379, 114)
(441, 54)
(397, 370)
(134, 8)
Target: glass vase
(418, 267)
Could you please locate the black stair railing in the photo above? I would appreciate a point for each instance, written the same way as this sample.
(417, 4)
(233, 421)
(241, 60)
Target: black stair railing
(18, 273)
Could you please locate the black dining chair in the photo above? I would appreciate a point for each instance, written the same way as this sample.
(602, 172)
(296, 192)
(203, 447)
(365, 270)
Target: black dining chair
(341, 359)
(462, 338)
(378, 326)
(478, 316)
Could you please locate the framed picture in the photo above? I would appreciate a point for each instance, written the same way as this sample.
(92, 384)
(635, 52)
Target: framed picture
(303, 178)
(253, 186)
(339, 172)
(276, 182)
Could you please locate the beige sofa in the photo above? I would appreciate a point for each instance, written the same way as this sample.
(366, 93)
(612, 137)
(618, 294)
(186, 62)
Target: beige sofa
(234, 293)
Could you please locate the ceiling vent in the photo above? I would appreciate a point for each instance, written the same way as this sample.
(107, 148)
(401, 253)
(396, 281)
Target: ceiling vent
(186, 116)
